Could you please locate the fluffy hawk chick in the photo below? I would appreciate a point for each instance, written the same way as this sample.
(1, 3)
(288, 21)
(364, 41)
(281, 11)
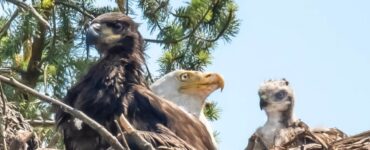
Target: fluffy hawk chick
(277, 100)
(189, 90)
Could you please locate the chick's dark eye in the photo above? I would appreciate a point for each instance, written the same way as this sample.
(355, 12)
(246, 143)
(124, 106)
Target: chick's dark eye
(280, 95)
(115, 26)
(118, 27)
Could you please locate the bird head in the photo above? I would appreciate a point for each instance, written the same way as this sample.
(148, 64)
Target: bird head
(276, 96)
(113, 32)
(184, 82)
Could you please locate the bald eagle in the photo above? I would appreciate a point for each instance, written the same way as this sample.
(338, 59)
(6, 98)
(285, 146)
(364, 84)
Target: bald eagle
(115, 86)
(282, 130)
(189, 90)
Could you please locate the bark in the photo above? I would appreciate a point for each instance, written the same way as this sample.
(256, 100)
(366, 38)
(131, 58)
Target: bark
(30, 77)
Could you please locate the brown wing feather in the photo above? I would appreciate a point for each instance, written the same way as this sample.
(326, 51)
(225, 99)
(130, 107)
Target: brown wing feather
(164, 139)
(177, 123)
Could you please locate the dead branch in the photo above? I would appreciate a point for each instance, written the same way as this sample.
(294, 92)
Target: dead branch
(5, 70)
(43, 123)
(131, 131)
(32, 10)
(74, 112)
(121, 135)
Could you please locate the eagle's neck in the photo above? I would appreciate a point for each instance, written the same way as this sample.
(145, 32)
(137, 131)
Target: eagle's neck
(280, 118)
(125, 63)
(189, 103)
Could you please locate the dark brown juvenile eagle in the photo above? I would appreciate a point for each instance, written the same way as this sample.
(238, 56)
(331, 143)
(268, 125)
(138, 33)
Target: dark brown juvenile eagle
(115, 86)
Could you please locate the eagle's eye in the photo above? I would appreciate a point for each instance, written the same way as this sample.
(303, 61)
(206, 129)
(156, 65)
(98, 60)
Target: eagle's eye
(281, 95)
(115, 26)
(184, 77)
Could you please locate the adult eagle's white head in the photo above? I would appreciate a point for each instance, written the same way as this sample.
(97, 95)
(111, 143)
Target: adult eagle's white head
(188, 89)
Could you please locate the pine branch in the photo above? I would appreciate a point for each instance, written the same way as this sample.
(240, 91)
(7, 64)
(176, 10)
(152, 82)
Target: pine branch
(154, 41)
(74, 112)
(7, 24)
(32, 10)
(223, 30)
(186, 36)
(75, 7)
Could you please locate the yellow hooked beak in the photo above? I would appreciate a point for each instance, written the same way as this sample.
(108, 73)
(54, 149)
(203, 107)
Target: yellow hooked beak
(199, 83)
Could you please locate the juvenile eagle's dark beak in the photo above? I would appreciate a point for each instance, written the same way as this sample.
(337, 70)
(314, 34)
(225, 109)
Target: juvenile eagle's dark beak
(92, 33)
(263, 104)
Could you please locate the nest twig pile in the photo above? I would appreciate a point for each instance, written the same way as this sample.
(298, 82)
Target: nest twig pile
(299, 136)
(356, 142)
(16, 132)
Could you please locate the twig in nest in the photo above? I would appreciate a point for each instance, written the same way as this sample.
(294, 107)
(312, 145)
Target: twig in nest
(121, 135)
(318, 139)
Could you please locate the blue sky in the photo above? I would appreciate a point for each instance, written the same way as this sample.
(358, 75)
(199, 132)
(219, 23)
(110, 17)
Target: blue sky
(321, 47)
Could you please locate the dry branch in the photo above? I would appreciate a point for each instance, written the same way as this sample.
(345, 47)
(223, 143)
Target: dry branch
(32, 10)
(131, 131)
(74, 112)
(44, 123)
(121, 135)
(5, 70)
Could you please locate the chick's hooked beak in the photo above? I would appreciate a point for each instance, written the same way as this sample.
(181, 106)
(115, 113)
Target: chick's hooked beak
(263, 103)
(93, 33)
